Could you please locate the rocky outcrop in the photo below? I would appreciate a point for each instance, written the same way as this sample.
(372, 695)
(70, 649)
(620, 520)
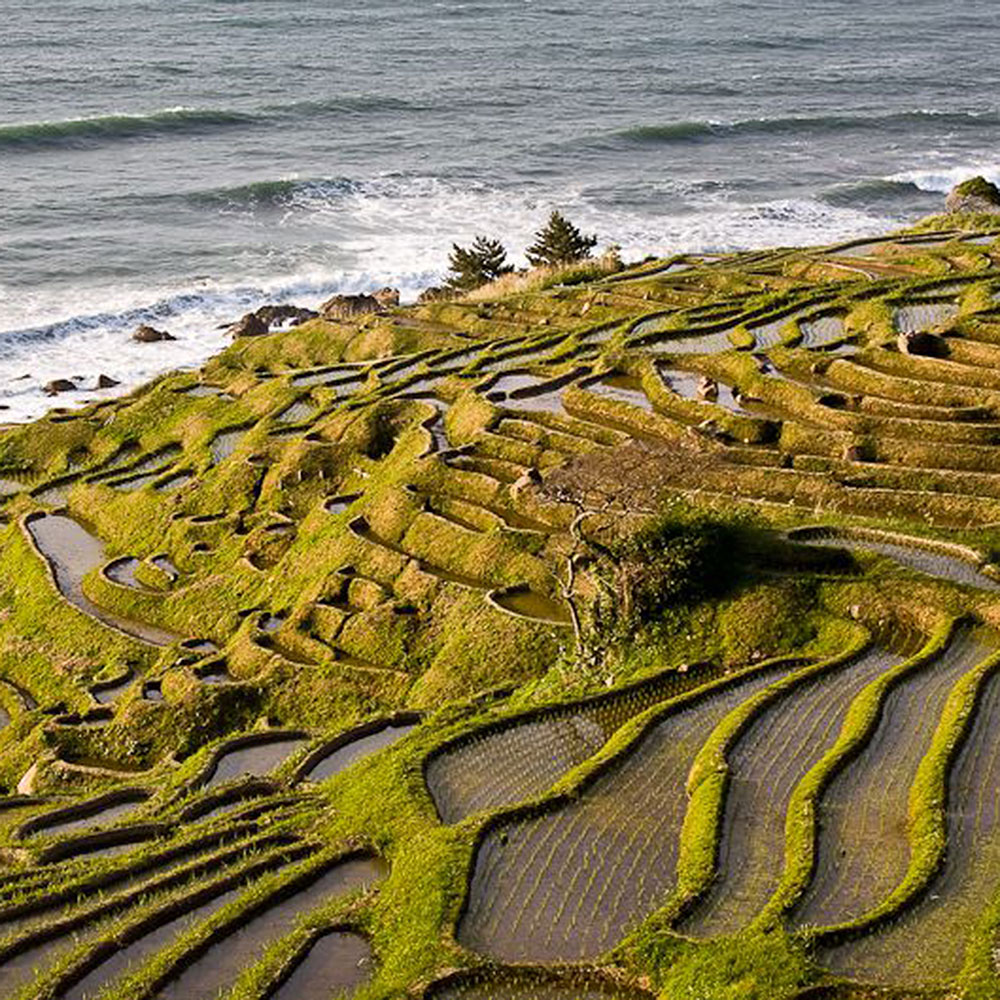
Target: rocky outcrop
(434, 294)
(349, 306)
(922, 344)
(106, 381)
(387, 298)
(150, 335)
(974, 195)
(274, 315)
(58, 385)
(260, 322)
(251, 325)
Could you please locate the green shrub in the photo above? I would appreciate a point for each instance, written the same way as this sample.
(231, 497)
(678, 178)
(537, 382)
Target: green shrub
(559, 242)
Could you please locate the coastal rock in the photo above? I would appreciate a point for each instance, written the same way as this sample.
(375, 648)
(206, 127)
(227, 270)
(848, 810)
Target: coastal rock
(349, 306)
(251, 325)
(921, 344)
(433, 294)
(259, 323)
(150, 335)
(284, 313)
(974, 195)
(58, 385)
(106, 381)
(387, 298)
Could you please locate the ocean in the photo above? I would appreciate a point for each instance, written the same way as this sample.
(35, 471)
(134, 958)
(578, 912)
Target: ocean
(180, 163)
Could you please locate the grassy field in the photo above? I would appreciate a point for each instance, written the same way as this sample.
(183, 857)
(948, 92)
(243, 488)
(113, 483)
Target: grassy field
(616, 632)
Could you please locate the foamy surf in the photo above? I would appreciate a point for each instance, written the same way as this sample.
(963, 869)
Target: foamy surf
(394, 230)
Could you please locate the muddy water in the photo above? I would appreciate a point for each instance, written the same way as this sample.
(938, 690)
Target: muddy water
(685, 384)
(527, 987)
(225, 443)
(25, 968)
(926, 945)
(913, 557)
(99, 817)
(822, 330)
(767, 763)
(363, 746)
(73, 552)
(528, 604)
(122, 572)
(217, 968)
(502, 766)
(260, 759)
(106, 695)
(125, 959)
(527, 392)
(337, 505)
(337, 963)
(623, 388)
(687, 341)
(300, 410)
(863, 848)
(918, 316)
(568, 884)
(164, 564)
(174, 482)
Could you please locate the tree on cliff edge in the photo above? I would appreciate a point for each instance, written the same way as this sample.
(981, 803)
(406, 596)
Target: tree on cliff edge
(559, 242)
(471, 267)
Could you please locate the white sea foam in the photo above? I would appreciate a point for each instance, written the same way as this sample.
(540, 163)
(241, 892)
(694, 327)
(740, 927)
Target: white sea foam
(944, 177)
(393, 230)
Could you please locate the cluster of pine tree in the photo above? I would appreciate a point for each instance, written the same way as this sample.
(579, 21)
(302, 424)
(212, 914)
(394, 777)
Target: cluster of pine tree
(558, 243)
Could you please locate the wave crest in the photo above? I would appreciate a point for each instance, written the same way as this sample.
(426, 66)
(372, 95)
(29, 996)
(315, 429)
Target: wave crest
(33, 135)
(696, 130)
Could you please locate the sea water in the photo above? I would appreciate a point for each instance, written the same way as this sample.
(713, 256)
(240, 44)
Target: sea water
(181, 163)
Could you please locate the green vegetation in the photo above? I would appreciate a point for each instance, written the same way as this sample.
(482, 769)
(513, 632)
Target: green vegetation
(559, 242)
(484, 261)
(566, 579)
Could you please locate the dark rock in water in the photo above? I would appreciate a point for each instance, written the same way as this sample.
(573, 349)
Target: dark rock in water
(349, 306)
(58, 385)
(251, 325)
(106, 381)
(150, 335)
(256, 324)
(387, 298)
(974, 195)
(927, 345)
(274, 314)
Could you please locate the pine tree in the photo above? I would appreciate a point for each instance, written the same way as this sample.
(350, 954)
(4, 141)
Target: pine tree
(484, 261)
(559, 242)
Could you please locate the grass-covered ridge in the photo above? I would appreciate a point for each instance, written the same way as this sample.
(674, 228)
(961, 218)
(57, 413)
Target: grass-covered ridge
(552, 641)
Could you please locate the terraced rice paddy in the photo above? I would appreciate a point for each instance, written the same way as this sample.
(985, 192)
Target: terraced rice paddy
(913, 556)
(927, 944)
(204, 976)
(341, 757)
(72, 552)
(567, 884)
(445, 586)
(338, 962)
(258, 757)
(862, 849)
(767, 763)
(502, 766)
(526, 987)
